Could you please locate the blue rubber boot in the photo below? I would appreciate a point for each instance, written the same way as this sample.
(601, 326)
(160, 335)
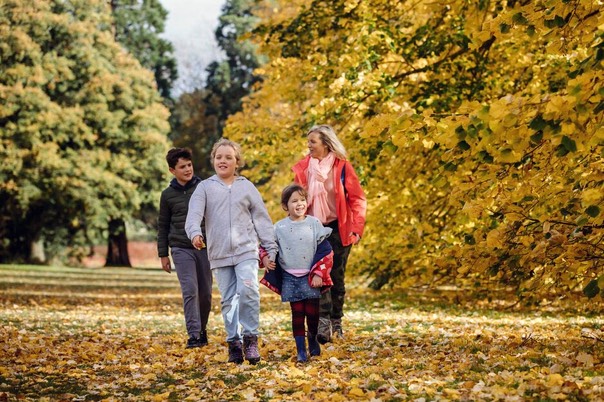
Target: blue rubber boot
(301, 347)
(314, 348)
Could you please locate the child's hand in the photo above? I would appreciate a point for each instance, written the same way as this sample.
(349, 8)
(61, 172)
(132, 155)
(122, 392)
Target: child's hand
(316, 282)
(268, 263)
(198, 242)
(165, 264)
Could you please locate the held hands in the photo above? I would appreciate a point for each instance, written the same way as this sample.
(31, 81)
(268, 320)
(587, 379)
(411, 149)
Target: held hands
(268, 263)
(165, 264)
(198, 242)
(316, 282)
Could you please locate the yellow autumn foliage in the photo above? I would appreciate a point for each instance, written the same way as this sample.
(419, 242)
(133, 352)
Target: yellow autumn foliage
(83, 131)
(470, 124)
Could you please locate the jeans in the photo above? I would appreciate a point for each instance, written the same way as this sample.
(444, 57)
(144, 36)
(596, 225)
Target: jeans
(240, 293)
(195, 277)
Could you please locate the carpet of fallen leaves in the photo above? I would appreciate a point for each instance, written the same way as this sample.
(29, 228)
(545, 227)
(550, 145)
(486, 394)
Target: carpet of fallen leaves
(82, 334)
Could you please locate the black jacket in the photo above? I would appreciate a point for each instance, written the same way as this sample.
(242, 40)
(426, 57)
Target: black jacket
(173, 208)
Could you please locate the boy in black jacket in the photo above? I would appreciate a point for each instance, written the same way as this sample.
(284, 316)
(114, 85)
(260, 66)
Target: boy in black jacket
(192, 265)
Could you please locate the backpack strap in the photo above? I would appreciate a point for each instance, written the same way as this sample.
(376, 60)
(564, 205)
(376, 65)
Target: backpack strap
(343, 180)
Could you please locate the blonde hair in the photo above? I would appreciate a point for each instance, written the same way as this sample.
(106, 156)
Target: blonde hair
(228, 143)
(330, 139)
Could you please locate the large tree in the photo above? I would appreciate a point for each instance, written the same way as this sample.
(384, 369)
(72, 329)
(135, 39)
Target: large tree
(195, 128)
(232, 78)
(476, 127)
(200, 116)
(137, 26)
(83, 129)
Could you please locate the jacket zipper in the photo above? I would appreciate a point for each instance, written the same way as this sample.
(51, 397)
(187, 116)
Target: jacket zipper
(231, 219)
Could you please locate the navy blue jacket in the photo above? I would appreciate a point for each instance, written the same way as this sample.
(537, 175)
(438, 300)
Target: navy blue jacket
(321, 265)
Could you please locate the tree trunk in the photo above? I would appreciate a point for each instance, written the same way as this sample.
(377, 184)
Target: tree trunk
(117, 246)
(36, 253)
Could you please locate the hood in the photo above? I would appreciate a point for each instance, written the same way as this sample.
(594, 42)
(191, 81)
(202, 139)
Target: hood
(191, 183)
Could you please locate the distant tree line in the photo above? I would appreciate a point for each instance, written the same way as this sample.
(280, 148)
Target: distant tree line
(85, 120)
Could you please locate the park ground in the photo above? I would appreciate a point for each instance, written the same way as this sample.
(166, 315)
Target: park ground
(117, 334)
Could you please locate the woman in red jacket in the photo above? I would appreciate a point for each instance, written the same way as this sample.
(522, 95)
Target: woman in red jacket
(336, 198)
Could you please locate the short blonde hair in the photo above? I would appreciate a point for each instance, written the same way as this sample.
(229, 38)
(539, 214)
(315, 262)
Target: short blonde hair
(223, 142)
(330, 139)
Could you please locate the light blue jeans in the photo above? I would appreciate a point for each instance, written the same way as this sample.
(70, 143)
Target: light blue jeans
(240, 294)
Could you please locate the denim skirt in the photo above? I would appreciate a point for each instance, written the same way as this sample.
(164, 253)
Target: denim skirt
(297, 288)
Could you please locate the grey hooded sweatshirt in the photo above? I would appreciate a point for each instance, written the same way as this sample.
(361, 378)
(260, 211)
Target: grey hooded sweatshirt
(236, 219)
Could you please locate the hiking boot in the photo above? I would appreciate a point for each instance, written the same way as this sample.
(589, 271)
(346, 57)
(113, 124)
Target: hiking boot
(313, 346)
(235, 352)
(301, 349)
(250, 347)
(336, 326)
(324, 330)
(194, 342)
(203, 338)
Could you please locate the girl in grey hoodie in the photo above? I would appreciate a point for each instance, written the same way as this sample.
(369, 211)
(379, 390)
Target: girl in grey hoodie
(236, 220)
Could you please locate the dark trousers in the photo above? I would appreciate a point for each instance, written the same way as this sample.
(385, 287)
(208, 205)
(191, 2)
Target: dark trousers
(195, 277)
(332, 301)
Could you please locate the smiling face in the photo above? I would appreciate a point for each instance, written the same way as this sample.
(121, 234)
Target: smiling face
(316, 146)
(182, 171)
(296, 206)
(225, 162)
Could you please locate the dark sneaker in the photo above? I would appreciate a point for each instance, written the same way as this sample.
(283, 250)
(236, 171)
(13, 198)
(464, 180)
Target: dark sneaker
(203, 338)
(336, 327)
(194, 342)
(235, 352)
(250, 347)
(324, 330)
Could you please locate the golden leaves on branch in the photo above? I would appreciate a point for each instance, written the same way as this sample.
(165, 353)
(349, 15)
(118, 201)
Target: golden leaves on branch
(471, 127)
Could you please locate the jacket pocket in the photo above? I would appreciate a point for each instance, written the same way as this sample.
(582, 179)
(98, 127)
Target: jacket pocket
(244, 239)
